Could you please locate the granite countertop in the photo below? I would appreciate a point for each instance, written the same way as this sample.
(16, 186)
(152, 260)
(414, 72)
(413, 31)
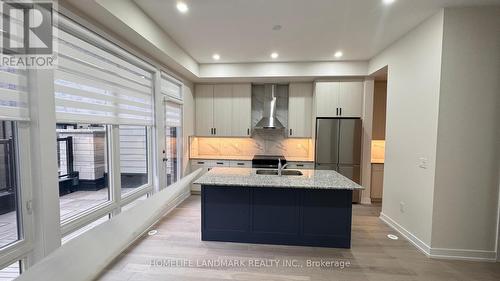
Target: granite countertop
(311, 179)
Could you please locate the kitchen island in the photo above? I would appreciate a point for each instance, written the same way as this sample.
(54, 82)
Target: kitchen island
(312, 209)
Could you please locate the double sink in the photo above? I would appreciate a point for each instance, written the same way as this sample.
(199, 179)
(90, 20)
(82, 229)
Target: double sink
(275, 172)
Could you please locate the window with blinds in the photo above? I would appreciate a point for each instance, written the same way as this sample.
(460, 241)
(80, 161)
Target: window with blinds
(14, 99)
(94, 85)
(171, 87)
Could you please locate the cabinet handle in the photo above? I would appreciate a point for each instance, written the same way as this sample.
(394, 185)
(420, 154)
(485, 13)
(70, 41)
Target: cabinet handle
(300, 165)
(248, 131)
(220, 163)
(337, 111)
(215, 131)
(341, 111)
(290, 132)
(240, 164)
(201, 162)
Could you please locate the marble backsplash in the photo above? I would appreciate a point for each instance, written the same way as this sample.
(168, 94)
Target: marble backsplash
(265, 143)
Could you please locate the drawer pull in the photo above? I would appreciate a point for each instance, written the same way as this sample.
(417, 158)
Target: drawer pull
(240, 164)
(300, 165)
(199, 162)
(220, 163)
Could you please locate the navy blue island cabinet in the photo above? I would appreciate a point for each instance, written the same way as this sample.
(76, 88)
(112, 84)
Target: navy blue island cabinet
(281, 216)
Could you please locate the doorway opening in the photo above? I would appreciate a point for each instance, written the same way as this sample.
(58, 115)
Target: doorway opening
(378, 135)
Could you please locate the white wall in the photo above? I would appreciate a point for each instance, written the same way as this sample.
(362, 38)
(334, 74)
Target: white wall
(284, 69)
(466, 186)
(367, 140)
(414, 65)
(187, 124)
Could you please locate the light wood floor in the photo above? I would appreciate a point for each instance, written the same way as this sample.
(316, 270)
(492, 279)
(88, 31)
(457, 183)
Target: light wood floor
(372, 256)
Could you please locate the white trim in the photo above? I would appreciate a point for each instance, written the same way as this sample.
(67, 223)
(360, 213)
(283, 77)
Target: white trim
(424, 248)
(136, 194)
(461, 254)
(46, 213)
(114, 175)
(439, 253)
(159, 135)
(74, 223)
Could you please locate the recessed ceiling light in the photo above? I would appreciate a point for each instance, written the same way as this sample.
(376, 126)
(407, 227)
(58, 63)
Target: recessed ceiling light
(388, 2)
(274, 55)
(216, 56)
(182, 7)
(338, 54)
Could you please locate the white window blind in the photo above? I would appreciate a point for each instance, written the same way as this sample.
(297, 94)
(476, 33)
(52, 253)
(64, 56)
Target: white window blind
(14, 101)
(173, 115)
(171, 87)
(93, 85)
(14, 98)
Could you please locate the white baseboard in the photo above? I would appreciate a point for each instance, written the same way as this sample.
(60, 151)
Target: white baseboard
(440, 253)
(406, 234)
(460, 254)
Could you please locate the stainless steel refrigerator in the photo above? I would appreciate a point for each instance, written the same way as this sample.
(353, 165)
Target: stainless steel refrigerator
(338, 147)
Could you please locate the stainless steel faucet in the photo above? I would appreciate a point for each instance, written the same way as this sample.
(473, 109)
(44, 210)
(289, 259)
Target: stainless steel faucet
(281, 167)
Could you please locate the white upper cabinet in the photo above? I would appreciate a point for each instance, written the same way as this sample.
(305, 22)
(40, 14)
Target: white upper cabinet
(223, 110)
(242, 110)
(351, 99)
(204, 106)
(339, 99)
(300, 97)
(327, 99)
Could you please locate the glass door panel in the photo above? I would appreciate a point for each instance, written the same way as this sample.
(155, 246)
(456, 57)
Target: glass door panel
(10, 215)
(173, 142)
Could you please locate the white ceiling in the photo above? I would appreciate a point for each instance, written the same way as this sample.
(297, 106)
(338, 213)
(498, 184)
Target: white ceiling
(312, 30)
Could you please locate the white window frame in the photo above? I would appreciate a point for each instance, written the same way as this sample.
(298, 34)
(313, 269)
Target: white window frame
(42, 236)
(176, 100)
(116, 201)
(21, 248)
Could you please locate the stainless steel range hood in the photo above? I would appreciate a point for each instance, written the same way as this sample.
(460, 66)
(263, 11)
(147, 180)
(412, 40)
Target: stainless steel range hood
(269, 120)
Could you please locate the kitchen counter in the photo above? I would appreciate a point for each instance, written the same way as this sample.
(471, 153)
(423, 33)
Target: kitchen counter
(314, 209)
(247, 177)
(244, 158)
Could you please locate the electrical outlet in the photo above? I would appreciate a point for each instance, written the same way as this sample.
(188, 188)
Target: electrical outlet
(423, 163)
(402, 207)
